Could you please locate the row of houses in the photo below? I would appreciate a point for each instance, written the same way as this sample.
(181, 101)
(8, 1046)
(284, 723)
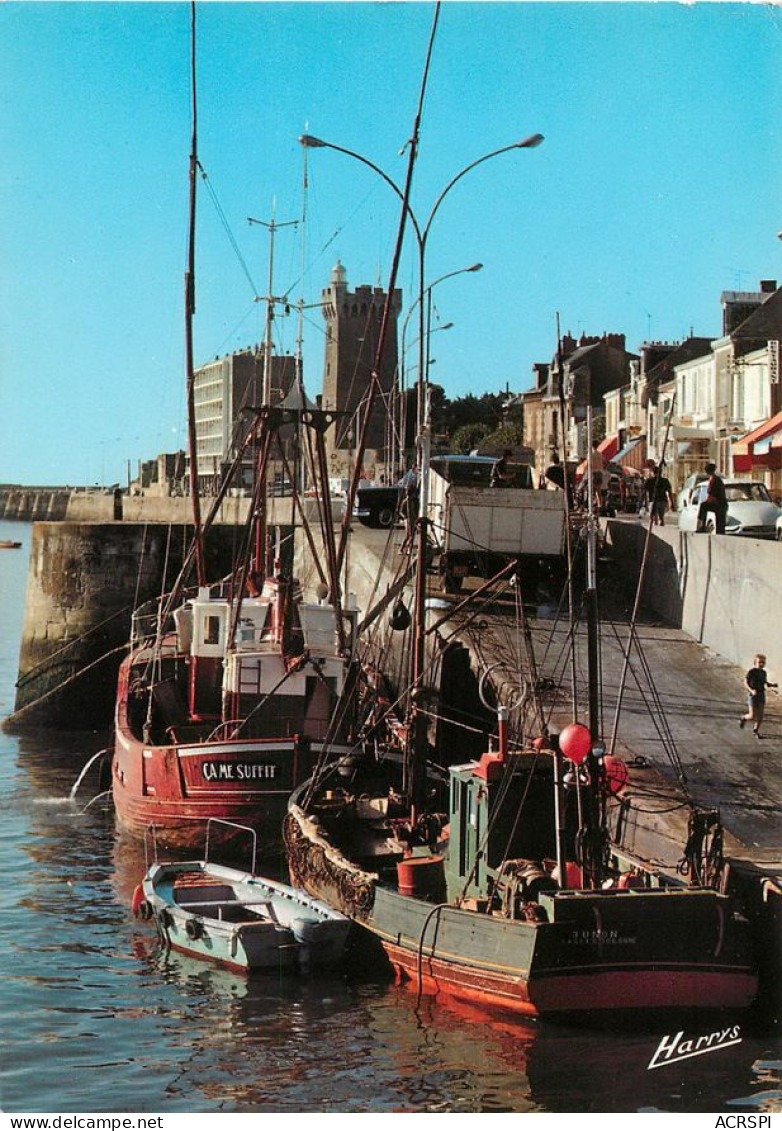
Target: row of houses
(686, 403)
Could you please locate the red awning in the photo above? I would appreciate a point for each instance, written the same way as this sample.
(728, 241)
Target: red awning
(743, 450)
(609, 447)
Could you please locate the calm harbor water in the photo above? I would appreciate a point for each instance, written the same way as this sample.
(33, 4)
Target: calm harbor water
(99, 1019)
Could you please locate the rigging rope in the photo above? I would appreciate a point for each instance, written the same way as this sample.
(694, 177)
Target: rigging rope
(224, 221)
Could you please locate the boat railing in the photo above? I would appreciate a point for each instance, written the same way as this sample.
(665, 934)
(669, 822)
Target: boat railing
(287, 727)
(223, 730)
(153, 619)
(231, 825)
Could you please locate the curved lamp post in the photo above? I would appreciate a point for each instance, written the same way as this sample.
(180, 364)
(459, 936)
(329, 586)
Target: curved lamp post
(417, 735)
(424, 330)
(421, 233)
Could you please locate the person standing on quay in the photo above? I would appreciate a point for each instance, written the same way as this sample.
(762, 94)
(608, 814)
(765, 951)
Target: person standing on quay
(502, 475)
(756, 681)
(715, 502)
(555, 472)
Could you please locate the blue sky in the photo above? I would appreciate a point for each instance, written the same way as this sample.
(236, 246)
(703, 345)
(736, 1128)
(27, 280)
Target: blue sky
(657, 187)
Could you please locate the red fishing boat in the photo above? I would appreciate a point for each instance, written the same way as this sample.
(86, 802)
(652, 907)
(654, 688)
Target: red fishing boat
(224, 714)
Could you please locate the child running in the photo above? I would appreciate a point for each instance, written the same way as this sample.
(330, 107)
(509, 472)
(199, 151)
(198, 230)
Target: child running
(756, 681)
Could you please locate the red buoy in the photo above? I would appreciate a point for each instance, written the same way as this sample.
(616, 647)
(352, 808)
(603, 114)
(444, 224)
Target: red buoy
(138, 899)
(616, 773)
(575, 742)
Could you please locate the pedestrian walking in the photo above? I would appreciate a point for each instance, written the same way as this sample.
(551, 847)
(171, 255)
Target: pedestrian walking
(715, 503)
(555, 472)
(659, 493)
(756, 681)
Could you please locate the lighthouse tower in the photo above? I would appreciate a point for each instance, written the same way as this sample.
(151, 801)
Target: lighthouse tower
(353, 321)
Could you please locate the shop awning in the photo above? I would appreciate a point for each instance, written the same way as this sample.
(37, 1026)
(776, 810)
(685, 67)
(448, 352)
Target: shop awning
(607, 447)
(632, 454)
(758, 442)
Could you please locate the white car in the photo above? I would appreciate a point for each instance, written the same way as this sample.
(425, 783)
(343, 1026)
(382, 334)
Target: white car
(750, 510)
(684, 496)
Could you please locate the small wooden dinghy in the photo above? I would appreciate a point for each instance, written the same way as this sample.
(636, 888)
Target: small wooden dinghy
(239, 919)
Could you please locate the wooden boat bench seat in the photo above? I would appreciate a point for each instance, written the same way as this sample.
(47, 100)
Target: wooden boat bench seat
(230, 910)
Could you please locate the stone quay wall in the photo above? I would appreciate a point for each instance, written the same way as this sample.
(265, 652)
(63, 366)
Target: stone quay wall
(34, 504)
(83, 582)
(68, 504)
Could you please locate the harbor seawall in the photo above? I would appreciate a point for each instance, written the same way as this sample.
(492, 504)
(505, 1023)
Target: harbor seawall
(84, 579)
(69, 504)
(722, 591)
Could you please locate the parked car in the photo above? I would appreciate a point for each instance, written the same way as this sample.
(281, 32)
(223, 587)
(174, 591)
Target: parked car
(382, 506)
(685, 494)
(750, 509)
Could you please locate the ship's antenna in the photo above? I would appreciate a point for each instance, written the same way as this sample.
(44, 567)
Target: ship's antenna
(190, 311)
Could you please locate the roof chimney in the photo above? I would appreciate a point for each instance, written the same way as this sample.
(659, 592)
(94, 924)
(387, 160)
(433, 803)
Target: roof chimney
(768, 286)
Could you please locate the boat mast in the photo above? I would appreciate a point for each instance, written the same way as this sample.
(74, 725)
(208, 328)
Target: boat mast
(415, 760)
(266, 394)
(271, 226)
(189, 312)
(568, 531)
(591, 586)
(594, 838)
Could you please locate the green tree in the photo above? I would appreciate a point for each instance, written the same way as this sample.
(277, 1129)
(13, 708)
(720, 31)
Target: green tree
(486, 409)
(469, 436)
(506, 436)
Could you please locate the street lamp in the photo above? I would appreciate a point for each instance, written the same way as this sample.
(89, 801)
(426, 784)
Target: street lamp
(442, 278)
(401, 397)
(421, 233)
(418, 303)
(416, 736)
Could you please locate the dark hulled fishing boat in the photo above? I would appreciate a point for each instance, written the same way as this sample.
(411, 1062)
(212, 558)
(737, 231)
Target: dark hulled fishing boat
(496, 882)
(467, 900)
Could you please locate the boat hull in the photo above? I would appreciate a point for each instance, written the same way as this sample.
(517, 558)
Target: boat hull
(611, 991)
(599, 953)
(176, 788)
(173, 789)
(241, 921)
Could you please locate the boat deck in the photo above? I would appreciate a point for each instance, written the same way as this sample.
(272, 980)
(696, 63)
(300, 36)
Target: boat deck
(703, 697)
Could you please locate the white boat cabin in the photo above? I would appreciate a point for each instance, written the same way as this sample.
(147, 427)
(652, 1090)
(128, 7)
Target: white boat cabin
(282, 648)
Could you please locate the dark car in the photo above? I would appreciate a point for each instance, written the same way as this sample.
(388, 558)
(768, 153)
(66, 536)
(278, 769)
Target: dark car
(383, 506)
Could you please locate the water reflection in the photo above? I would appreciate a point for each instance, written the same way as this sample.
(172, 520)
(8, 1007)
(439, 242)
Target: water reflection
(105, 1020)
(118, 1024)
